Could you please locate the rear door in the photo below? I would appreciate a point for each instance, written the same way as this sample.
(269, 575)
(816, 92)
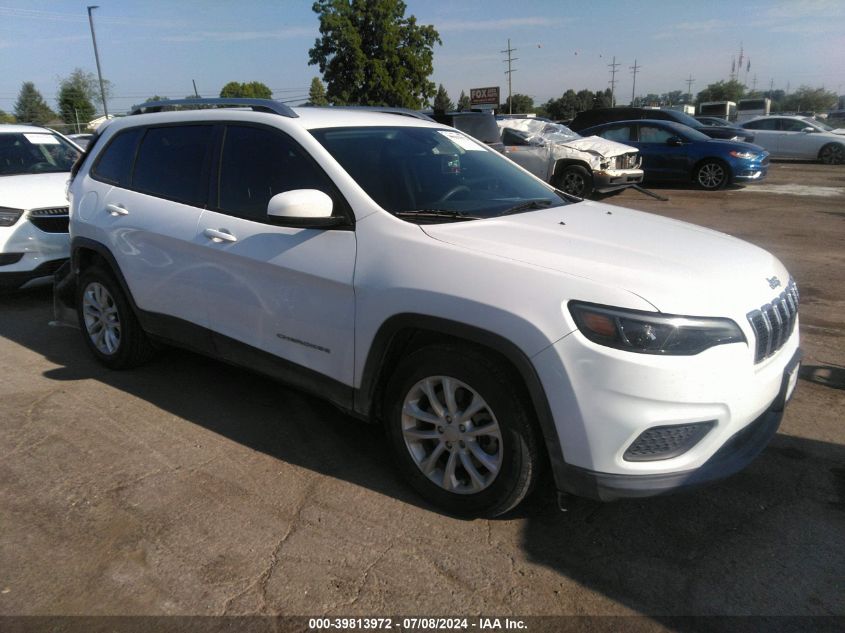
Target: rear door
(661, 161)
(150, 213)
(794, 142)
(767, 134)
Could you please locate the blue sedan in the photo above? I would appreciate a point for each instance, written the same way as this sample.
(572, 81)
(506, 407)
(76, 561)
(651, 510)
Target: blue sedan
(675, 152)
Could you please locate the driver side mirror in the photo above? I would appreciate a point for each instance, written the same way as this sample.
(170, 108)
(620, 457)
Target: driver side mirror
(674, 141)
(302, 208)
(808, 130)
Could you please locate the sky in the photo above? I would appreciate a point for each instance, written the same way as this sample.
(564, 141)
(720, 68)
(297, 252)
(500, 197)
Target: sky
(157, 47)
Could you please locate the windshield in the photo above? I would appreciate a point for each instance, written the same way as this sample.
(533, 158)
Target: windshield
(434, 175)
(35, 153)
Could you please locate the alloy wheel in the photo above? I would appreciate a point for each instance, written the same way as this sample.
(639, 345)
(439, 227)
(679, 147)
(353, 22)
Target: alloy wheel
(452, 435)
(711, 175)
(102, 321)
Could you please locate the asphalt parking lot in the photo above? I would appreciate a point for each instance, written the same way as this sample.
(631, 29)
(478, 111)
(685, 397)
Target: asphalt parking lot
(191, 487)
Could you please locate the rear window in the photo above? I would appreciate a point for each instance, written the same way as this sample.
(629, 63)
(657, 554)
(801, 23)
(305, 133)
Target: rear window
(36, 152)
(115, 162)
(483, 128)
(173, 163)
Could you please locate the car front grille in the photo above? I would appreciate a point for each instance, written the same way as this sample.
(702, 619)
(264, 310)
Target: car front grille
(628, 161)
(53, 220)
(773, 323)
(666, 442)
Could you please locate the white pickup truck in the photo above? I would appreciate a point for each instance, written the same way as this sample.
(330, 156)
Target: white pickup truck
(577, 165)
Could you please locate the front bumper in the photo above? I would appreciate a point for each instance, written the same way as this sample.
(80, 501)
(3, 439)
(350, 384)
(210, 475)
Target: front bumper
(734, 455)
(603, 401)
(30, 253)
(606, 180)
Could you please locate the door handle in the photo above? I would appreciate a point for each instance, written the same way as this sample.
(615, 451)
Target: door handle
(219, 236)
(116, 210)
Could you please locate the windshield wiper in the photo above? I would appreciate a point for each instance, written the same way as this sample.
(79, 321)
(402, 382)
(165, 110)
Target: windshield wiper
(530, 205)
(436, 213)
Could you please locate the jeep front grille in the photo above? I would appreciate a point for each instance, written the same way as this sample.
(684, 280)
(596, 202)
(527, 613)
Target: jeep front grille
(53, 220)
(773, 322)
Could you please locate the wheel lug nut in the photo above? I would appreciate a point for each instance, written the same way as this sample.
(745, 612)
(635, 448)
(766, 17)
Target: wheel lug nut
(449, 419)
(462, 428)
(440, 429)
(449, 445)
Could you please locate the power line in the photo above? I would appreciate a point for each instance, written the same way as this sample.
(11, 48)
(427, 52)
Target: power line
(613, 65)
(509, 71)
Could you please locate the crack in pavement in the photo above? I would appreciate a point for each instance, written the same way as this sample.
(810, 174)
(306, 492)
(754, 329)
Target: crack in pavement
(365, 576)
(263, 579)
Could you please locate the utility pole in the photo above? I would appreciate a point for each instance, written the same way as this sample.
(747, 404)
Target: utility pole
(689, 81)
(97, 57)
(634, 70)
(771, 87)
(613, 66)
(196, 94)
(508, 72)
(754, 83)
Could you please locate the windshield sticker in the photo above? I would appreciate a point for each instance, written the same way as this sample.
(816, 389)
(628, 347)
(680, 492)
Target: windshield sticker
(42, 139)
(464, 142)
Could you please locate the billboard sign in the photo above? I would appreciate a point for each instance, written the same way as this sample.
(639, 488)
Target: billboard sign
(484, 96)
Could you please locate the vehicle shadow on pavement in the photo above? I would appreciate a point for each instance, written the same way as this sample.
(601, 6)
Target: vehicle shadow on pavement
(767, 541)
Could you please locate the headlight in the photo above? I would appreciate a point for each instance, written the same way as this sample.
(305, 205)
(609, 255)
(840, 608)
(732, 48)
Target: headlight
(652, 333)
(9, 216)
(737, 154)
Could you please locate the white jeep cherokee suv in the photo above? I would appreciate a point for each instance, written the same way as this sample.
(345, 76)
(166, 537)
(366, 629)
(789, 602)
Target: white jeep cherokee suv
(412, 276)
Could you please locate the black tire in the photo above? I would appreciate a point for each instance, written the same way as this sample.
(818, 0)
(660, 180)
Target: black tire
(575, 180)
(517, 448)
(129, 346)
(832, 154)
(712, 174)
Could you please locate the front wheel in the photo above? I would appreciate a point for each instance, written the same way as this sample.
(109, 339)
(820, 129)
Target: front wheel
(110, 328)
(712, 175)
(575, 180)
(832, 154)
(460, 431)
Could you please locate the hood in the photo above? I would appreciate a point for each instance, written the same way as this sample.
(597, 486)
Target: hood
(839, 130)
(34, 191)
(679, 268)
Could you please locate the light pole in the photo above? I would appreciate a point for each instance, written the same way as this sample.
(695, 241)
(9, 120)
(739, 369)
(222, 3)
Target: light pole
(97, 57)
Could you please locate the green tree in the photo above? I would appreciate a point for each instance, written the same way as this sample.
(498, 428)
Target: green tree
(369, 53)
(603, 99)
(562, 108)
(251, 90)
(464, 102)
(731, 90)
(317, 93)
(807, 99)
(518, 104)
(31, 107)
(442, 102)
(75, 107)
(5, 117)
(584, 100)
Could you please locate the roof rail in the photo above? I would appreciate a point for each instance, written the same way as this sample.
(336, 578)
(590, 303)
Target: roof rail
(258, 105)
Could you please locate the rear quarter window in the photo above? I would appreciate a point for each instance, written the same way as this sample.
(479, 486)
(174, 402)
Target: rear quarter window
(115, 162)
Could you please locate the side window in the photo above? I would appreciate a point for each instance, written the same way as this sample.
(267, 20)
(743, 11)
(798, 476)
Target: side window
(652, 134)
(621, 133)
(115, 162)
(258, 163)
(171, 163)
(763, 124)
(791, 125)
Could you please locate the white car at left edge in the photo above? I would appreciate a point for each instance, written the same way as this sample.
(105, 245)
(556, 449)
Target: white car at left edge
(35, 165)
